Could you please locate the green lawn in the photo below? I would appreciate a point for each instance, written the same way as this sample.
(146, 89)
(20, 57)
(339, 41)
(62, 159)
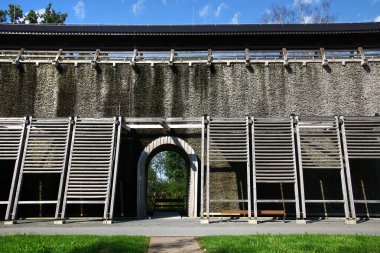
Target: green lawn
(291, 243)
(72, 244)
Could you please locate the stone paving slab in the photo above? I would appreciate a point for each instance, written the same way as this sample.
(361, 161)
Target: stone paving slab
(173, 245)
(189, 227)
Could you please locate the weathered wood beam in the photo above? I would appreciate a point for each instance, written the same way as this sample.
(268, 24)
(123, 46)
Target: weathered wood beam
(133, 60)
(364, 61)
(94, 61)
(247, 58)
(171, 60)
(16, 61)
(209, 57)
(55, 62)
(165, 125)
(285, 57)
(325, 63)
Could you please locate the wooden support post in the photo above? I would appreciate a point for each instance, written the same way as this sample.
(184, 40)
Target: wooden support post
(285, 57)
(118, 123)
(247, 58)
(165, 125)
(55, 62)
(209, 57)
(253, 154)
(171, 60)
(202, 166)
(94, 62)
(134, 56)
(208, 170)
(325, 63)
(364, 61)
(296, 189)
(16, 61)
(342, 175)
(248, 123)
(347, 168)
(303, 204)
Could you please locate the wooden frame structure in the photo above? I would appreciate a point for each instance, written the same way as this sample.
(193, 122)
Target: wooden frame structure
(361, 140)
(274, 158)
(45, 152)
(12, 138)
(93, 165)
(208, 57)
(273, 149)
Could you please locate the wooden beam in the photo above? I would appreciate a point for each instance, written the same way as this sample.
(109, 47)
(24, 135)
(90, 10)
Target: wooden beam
(133, 60)
(165, 125)
(209, 57)
(171, 60)
(94, 61)
(16, 61)
(325, 63)
(247, 58)
(285, 57)
(364, 61)
(55, 62)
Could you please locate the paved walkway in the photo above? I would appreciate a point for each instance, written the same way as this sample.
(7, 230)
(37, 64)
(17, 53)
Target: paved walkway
(174, 244)
(189, 227)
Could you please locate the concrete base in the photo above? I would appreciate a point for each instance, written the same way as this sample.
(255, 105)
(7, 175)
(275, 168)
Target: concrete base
(350, 222)
(254, 221)
(109, 222)
(59, 222)
(302, 222)
(204, 221)
(9, 222)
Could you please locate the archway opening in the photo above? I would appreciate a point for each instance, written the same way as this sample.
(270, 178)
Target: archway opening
(186, 152)
(168, 183)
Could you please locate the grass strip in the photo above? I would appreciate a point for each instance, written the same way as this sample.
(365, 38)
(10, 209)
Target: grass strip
(72, 244)
(291, 243)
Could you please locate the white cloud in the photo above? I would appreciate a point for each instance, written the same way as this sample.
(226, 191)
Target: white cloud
(235, 18)
(308, 19)
(164, 1)
(204, 11)
(80, 10)
(377, 19)
(138, 7)
(306, 2)
(220, 8)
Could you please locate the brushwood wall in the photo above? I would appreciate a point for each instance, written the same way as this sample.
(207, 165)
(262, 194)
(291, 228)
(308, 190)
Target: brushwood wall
(164, 91)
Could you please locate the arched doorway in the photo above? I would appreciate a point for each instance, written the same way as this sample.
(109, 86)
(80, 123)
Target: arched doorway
(158, 145)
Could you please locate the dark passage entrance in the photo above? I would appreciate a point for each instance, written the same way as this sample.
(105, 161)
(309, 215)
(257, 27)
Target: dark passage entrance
(167, 183)
(7, 168)
(365, 175)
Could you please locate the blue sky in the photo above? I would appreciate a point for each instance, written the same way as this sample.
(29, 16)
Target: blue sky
(189, 11)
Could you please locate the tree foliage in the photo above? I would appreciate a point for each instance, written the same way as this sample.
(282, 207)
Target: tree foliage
(303, 12)
(3, 16)
(167, 176)
(52, 17)
(14, 14)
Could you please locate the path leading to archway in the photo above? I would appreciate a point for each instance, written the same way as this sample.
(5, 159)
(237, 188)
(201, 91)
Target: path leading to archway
(174, 244)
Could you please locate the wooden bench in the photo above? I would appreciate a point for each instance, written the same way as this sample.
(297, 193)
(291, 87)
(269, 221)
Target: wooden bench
(273, 213)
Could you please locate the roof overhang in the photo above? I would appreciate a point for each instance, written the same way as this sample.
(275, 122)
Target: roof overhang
(190, 37)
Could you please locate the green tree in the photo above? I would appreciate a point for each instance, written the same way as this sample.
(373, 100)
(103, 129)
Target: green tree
(52, 17)
(3, 16)
(32, 17)
(167, 176)
(15, 13)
